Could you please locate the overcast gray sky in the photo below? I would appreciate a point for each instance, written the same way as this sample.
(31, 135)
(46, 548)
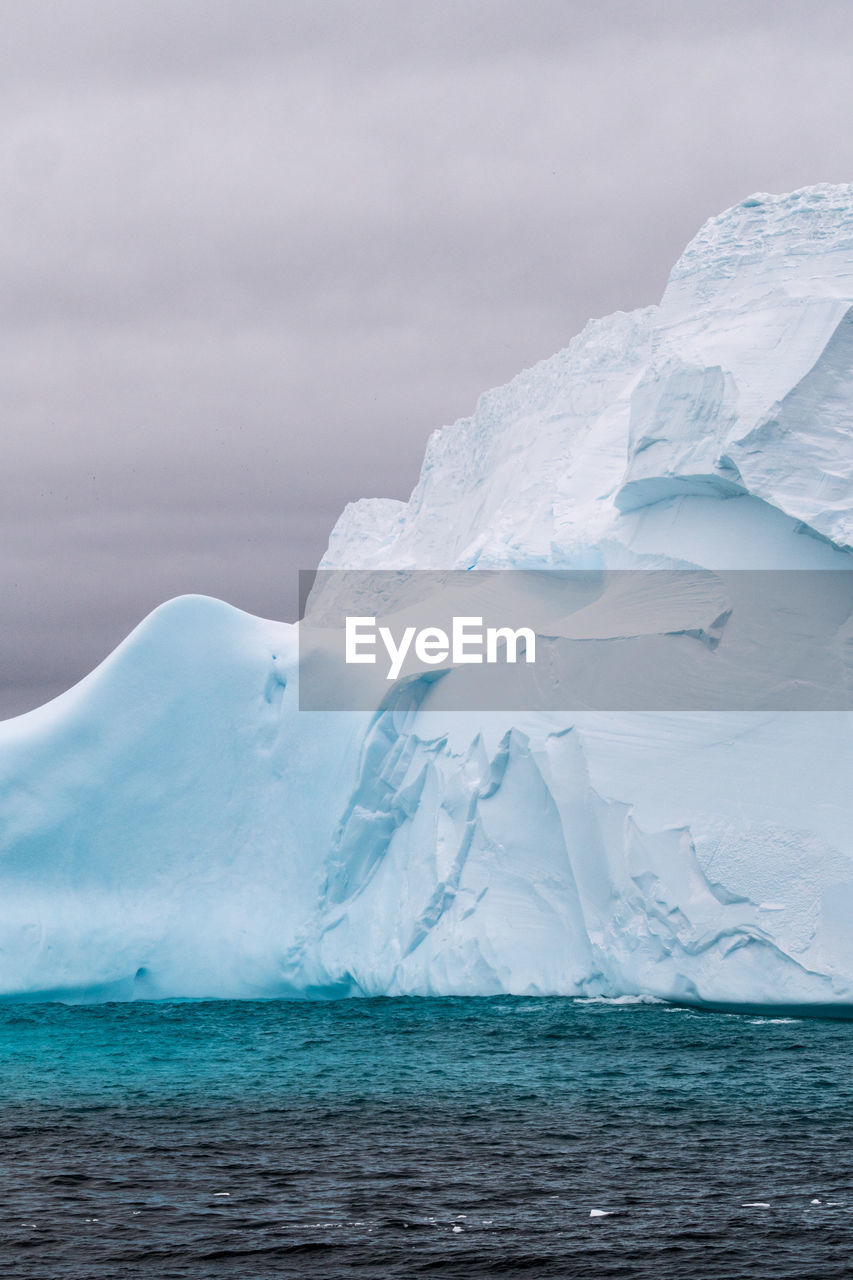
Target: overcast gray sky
(253, 251)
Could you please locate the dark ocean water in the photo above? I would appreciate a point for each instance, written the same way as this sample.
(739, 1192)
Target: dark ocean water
(406, 1138)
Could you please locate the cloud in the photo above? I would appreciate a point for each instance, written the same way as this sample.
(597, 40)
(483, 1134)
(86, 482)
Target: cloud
(252, 253)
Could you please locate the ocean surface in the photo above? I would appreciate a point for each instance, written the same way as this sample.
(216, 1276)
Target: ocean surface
(404, 1138)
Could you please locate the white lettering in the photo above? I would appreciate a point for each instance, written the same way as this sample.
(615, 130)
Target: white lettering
(353, 639)
(461, 637)
(395, 653)
(510, 639)
(432, 645)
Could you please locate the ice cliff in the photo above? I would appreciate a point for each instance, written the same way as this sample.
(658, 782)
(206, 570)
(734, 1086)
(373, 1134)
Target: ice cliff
(174, 825)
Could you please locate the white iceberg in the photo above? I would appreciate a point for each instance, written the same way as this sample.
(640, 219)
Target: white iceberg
(176, 826)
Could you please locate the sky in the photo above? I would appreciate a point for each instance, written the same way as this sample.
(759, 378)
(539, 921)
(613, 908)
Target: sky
(252, 252)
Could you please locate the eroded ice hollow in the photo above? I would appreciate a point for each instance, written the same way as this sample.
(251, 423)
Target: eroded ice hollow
(175, 826)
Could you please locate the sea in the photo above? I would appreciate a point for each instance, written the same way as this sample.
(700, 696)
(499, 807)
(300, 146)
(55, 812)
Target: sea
(502, 1137)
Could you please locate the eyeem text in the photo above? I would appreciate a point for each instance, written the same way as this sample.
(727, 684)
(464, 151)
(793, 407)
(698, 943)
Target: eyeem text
(468, 641)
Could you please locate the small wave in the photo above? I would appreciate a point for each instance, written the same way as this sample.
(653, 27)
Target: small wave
(771, 1022)
(618, 1000)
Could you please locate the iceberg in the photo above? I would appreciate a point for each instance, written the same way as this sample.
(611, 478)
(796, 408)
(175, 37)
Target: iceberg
(175, 825)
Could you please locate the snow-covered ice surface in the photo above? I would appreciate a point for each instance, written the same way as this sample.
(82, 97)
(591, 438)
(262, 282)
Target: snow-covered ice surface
(174, 825)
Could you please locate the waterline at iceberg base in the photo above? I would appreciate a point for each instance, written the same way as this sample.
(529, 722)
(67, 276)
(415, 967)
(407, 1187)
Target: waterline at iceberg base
(174, 826)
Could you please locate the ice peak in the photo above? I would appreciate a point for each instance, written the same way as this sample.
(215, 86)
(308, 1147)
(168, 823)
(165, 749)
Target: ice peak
(802, 240)
(713, 394)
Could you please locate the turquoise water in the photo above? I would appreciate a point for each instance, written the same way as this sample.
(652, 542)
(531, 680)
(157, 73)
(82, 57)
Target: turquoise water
(423, 1137)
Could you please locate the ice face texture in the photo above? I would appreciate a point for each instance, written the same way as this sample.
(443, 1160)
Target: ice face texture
(173, 825)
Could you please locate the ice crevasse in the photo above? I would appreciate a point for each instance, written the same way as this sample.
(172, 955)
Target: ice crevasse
(175, 826)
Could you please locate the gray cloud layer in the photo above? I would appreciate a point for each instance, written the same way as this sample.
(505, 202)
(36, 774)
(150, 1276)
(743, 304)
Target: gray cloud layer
(253, 251)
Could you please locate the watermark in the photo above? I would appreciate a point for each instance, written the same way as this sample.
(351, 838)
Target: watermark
(603, 640)
(467, 641)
